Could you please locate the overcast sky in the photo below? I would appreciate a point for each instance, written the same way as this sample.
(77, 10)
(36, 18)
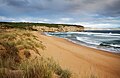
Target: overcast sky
(89, 13)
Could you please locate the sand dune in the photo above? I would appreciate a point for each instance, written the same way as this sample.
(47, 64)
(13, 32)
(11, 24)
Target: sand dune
(81, 60)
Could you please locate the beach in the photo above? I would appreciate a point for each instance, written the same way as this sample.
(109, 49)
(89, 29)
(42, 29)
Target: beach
(81, 60)
(59, 38)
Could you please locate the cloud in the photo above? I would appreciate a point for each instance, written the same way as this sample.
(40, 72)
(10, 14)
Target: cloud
(105, 7)
(2, 18)
(113, 9)
(16, 3)
(24, 19)
(62, 11)
(65, 19)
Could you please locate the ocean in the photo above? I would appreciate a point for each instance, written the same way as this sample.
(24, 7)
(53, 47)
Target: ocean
(107, 40)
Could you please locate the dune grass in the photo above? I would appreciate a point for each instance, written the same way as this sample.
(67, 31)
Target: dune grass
(13, 66)
(36, 68)
(41, 68)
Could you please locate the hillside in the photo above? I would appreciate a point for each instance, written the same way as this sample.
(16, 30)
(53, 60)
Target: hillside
(43, 27)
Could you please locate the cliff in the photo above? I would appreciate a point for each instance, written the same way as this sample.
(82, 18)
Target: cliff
(43, 27)
(71, 28)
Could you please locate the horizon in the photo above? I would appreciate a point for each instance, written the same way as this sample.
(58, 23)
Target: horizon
(92, 13)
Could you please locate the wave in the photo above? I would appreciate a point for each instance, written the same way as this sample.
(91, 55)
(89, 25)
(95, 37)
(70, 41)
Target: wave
(104, 41)
(113, 43)
(88, 40)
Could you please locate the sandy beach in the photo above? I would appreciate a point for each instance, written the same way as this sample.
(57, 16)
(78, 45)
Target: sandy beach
(81, 60)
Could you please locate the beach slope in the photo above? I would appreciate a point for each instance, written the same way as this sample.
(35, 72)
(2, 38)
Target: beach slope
(81, 60)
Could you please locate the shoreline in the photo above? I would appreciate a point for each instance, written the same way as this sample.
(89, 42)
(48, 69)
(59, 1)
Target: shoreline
(113, 52)
(93, 48)
(80, 59)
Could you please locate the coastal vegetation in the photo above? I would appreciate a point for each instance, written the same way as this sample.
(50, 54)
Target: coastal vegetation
(20, 57)
(43, 27)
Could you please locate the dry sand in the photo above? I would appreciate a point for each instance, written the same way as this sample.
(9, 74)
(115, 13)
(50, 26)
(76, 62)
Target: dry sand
(81, 60)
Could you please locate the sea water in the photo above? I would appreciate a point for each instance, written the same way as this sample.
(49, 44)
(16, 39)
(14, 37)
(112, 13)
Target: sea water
(108, 40)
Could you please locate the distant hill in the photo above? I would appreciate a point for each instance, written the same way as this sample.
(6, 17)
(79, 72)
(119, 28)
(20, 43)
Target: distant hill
(44, 27)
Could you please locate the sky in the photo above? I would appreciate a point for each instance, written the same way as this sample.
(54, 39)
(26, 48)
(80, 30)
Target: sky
(89, 13)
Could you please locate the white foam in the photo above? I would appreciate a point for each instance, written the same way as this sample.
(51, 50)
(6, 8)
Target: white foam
(88, 40)
(91, 39)
(114, 45)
